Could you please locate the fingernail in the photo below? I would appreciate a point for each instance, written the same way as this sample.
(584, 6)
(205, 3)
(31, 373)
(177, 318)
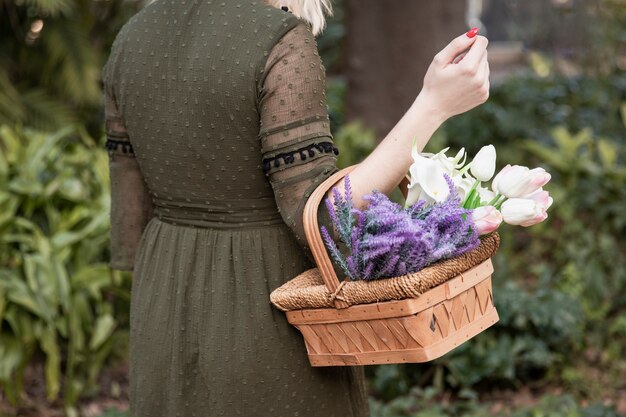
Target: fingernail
(472, 32)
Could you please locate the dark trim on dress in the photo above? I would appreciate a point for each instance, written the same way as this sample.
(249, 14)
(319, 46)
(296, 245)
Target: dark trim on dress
(112, 145)
(304, 152)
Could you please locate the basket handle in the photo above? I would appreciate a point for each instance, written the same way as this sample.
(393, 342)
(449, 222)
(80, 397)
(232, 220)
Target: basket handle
(314, 237)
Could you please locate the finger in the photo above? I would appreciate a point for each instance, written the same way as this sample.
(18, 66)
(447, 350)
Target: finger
(458, 58)
(485, 90)
(483, 66)
(484, 77)
(454, 48)
(475, 54)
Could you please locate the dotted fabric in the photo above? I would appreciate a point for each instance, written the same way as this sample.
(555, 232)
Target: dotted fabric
(217, 131)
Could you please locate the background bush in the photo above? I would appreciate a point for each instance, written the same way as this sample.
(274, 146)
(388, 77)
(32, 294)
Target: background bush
(59, 301)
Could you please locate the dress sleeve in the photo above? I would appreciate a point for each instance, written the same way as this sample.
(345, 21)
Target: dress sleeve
(296, 142)
(131, 204)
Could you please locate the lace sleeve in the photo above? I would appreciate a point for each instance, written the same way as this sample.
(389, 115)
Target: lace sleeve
(298, 149)
(131, 204)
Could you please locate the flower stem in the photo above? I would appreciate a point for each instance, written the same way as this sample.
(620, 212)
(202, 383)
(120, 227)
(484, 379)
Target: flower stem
(499, 203)
(469, 199)
(495, 200)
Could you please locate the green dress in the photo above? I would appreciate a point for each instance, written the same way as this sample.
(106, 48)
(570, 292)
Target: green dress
(217, 131)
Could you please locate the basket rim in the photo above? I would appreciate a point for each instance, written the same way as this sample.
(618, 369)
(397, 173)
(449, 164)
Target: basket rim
(395, 308)
(307, 290)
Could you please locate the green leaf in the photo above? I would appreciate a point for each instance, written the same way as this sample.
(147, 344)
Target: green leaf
(26, 187)
(22, 325)
(41, 289)
(66, 238)
(76, 333)
(53, 361)
(608, 153)
(4, 167)
(8, 208)
(102, 331)
(92, 279)
(18, 293)
(11, 355)
(12, 145)
(3, 301)
(62, 282)
(71, 218)
(73, 189)
(41, 149)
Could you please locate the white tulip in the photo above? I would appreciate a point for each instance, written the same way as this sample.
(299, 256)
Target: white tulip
(523, 212)
(484, 164)
(427, 181)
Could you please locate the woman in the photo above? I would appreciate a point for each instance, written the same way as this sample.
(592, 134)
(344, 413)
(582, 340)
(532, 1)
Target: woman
(217, 130)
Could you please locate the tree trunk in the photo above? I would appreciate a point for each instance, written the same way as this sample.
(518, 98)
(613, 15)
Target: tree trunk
(389, 45)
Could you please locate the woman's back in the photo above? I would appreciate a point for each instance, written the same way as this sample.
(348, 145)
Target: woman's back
(216, 118)
(185, 77)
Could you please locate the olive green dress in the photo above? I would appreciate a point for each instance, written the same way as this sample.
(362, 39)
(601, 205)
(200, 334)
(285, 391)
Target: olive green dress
(217, 131)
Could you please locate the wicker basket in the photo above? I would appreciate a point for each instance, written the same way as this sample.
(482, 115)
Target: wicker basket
(413, 318)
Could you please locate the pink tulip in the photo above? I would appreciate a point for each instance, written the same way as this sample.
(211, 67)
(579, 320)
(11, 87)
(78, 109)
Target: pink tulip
(515, 181)
(535, 220)
(486, 219)
(541, 198)
(539, 178)
(523, 212)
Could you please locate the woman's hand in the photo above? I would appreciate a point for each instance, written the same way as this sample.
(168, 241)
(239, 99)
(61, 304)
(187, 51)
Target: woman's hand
(455, 83)
(458, 78)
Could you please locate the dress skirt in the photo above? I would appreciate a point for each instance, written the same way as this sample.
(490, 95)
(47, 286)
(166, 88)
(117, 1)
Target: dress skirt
(205, 340)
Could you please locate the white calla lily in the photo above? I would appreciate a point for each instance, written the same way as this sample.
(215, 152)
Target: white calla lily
(450, 165)
(427, 181)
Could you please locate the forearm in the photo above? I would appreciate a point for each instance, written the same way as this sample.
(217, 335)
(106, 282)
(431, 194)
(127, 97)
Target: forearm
(385, 167)
(450, 87)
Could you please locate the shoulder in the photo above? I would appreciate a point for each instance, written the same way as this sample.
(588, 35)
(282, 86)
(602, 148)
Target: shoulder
(270, 23)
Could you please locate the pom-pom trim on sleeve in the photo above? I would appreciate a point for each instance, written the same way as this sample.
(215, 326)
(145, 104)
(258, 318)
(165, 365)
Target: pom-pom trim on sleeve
(304, 153)
(113, 145)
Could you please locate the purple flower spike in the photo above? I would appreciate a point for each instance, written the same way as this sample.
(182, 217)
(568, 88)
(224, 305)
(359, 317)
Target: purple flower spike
(386, 239)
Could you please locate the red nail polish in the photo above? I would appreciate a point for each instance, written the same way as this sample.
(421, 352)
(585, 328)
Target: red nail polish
(472, 32)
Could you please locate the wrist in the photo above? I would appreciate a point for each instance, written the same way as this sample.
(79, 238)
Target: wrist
(425, 104)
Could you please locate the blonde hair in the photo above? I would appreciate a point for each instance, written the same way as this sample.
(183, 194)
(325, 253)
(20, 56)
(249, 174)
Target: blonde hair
(311, 11)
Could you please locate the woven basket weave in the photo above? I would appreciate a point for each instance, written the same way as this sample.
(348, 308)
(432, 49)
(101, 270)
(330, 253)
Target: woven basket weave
(413, 318)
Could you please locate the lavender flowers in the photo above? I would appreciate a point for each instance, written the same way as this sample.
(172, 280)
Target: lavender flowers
(388, 240)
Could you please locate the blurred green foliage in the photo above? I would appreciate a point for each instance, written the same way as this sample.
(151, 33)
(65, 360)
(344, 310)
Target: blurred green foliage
(560, 287)
(51, 53)
(426, 403)
(58, 296)
(529, 107)
(60, 303)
